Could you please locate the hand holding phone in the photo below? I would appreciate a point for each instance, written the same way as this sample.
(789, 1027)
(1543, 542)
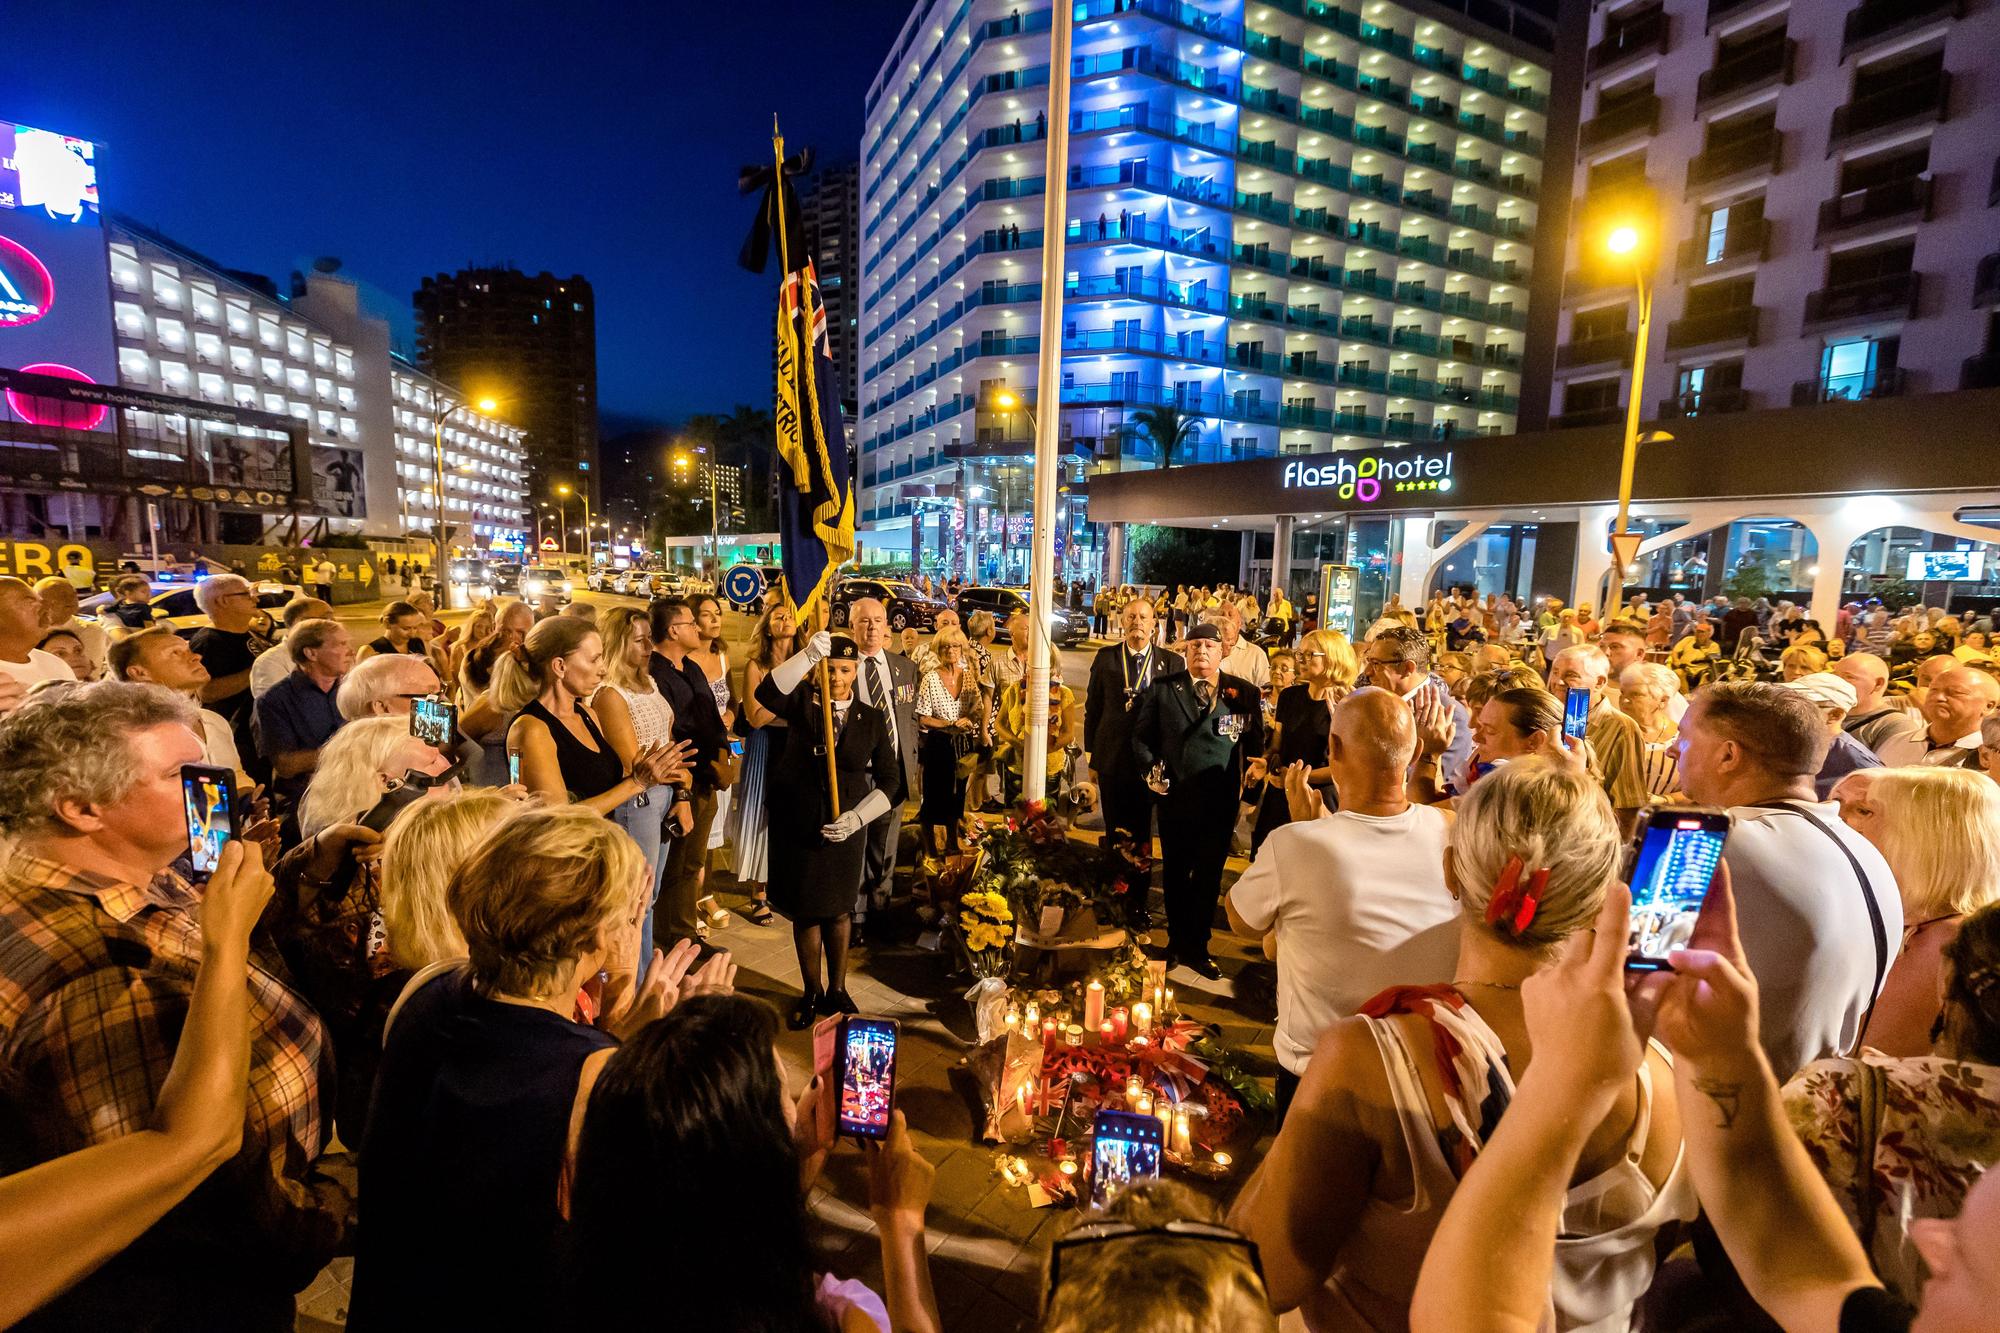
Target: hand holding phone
(867, 1076)
(1124, 1147)
(433, 720)
(208, 795)
(1576, 713)
(1679, 848)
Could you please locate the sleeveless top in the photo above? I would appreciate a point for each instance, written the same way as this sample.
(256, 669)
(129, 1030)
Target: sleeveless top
(585, 772)
(652, 715)
(1604, 1251)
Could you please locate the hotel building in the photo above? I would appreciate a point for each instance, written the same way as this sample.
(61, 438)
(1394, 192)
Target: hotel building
(1302, 225)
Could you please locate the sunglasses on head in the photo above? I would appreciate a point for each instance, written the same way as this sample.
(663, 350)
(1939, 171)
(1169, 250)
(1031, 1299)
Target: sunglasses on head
(1101, 1233)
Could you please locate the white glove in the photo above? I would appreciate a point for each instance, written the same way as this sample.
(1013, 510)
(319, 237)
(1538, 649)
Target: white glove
(819, 647)
(843, 828)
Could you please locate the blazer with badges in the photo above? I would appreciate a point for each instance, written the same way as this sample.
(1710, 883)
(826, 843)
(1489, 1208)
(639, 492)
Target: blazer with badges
(1204, 749)
(863, 759)
(903, 700)
(1111, 707)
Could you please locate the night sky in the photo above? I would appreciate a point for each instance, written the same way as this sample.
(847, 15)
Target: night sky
(417, 136)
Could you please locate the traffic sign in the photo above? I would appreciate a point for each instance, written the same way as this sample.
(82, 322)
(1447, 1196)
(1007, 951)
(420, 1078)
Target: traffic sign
(743, 585)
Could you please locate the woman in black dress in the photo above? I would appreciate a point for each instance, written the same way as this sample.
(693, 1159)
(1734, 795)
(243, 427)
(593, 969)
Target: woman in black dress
(1328, 668)
(815, 858)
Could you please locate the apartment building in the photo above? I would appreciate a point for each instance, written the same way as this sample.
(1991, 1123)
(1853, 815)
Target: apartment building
(1819, 177)
(1294, 226)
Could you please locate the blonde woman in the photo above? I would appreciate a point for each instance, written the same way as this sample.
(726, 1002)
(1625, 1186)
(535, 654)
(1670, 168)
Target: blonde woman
(1328, 669)
(1385, 1124)
(1644, 689)
(1801, 660)
(1939, 830)
(950, 709)
(647, 724)
(422, 851)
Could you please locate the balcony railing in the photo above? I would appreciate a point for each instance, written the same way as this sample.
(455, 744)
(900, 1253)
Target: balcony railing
(1714, 326)
(1906, 198)
(1874, 20)
(1980, 372)
(1986, 281)
(1731, 159)
(1591, 416)
(1741, 241)
(1769, 63)
(1706, 402)
(1594, 351)
(1908, 103)
(1641, 113)
(1719, 9)
(1895, 293)
(1848, 388)
(1629, 40)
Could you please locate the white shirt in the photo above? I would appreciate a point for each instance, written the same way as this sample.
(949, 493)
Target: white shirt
(1249, 661)
(1806, 930)
(325, 571)
(869, 663)
(39, 667)
(218, 743)
(272, 665)
(1359, 904)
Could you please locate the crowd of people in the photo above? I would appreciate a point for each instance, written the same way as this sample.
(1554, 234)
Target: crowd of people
(465, 928)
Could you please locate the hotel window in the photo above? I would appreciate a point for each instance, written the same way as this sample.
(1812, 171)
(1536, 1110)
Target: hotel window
(239, 319)
(1858, 368)
(134, 366)
(1728, 229)
(1704, 387)
(208, 349)
(167, 289)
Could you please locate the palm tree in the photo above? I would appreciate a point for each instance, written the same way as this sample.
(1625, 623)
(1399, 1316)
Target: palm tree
(1166, 426)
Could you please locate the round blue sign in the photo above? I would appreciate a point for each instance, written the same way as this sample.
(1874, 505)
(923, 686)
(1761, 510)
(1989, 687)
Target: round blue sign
(743, 585)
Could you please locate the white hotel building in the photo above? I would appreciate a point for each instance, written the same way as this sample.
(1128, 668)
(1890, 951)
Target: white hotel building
(1307, 224)
(190, 330)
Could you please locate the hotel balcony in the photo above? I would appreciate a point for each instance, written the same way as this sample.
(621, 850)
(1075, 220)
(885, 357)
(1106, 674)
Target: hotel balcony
(1893, 201)
(1895, 294)
(1912, 102)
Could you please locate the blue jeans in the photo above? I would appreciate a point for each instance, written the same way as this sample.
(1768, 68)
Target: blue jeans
(645, 823)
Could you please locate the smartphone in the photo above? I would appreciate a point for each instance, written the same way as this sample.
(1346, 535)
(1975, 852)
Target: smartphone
(1678, 850)
(209, 795)
(1125, 1147)
(434, 721)
(1576, 714)
(513, 768)
(826, 1047)
(867, 1059)
(736, 746)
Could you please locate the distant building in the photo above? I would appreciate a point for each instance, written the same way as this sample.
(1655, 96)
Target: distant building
(830, 202)
(634, 468)
(531, 340)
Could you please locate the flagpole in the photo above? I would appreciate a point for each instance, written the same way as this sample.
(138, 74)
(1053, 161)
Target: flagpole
(1048, 403)
(805, 352)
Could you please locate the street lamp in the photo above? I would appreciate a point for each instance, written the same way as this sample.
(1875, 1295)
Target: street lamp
(584, 495)
(440, 572)
(1006, 400)
(1626, 242)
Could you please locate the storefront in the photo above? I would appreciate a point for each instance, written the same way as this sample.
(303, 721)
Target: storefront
(1898, 498)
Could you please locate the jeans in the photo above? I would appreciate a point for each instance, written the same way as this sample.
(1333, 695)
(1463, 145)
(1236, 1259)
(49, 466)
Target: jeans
(646, 823)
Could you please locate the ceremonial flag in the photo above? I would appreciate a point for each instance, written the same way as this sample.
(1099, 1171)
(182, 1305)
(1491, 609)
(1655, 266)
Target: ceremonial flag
(815, 482)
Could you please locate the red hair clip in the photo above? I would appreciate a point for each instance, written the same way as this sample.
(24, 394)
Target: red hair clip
(1512, 907)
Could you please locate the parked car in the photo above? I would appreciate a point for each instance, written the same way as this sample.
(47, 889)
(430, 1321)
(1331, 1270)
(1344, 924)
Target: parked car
(602, 578)
(1067, 629)
(177, 608)
(906, 603)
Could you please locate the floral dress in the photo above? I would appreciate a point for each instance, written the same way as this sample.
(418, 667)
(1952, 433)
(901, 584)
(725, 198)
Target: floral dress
(1937, 1129)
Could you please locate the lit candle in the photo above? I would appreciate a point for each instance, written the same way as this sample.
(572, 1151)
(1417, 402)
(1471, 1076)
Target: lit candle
(1142, 1105)
(1121, 1024)
(1164, 1109)
(1073, 1035)
(1223, 1159)
(1028, 1097)
(1142, 1018)
(1034, 1014)
(1140, 1043)
(1012, 1022)
(1167, 1004)
(1183, 1144)
(1104, 1033)
(1093, 1004)
(1133, 1087)
(1066, 1166)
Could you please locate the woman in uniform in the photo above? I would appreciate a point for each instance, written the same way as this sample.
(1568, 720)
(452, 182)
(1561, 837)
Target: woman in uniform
(815, 858)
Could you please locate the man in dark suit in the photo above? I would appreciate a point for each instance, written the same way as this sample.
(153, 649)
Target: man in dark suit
(1120, 675)
(1199, 737)
(888, 682)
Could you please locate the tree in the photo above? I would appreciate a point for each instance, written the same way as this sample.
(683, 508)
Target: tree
(1178, 555)
(1166, 426)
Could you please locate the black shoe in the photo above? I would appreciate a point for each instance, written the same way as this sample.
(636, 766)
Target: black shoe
(838, 1002)
(804, 1011)
(1203, 967)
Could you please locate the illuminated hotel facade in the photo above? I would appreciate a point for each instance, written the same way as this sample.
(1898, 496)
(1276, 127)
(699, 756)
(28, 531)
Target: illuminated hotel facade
(1306, 226)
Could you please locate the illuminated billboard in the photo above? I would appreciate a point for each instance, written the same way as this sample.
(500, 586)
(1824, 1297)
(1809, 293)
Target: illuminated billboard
(55, 279)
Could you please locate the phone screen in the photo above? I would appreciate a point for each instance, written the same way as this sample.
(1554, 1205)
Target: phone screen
(1126, 1147)
(867, 1076)
(514, 768)
(1677, 857)
(210, 797)
(736, 746)
(433, 720)
(1576, 714)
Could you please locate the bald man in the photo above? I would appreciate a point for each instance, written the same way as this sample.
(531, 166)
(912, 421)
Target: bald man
(1894, 735)
(1356, 899)
(1958, 703)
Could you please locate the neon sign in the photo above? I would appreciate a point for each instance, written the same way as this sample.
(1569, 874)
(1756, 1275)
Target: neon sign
(26, 289)
(1368, 478)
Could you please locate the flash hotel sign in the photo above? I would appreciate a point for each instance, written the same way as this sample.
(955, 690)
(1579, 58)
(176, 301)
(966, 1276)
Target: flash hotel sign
(1366, 478)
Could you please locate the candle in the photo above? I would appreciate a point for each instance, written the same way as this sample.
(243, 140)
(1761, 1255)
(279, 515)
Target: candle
(1121, 1025)
(1164, 1109)
(1034, 1014)
(1073, 1035)
(1142, 1105)
(1142, 1018)
(1093, 1004)
(1104, 1033)
(1167, 1004)
(1223, 1159)
(1133, 1087)
(1183, 1145)
(1028, 1097)
(1140, 1043)
(1066, 1166)
(1012, 1022)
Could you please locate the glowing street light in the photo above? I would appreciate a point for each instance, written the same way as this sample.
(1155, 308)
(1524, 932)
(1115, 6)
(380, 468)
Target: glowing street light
(1626, 241)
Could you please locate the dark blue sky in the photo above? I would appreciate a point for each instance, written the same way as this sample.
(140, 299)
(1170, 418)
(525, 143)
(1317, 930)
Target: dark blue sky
(413, 136)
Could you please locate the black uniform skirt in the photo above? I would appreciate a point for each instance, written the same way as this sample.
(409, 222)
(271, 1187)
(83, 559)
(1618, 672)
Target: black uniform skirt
(811, 878)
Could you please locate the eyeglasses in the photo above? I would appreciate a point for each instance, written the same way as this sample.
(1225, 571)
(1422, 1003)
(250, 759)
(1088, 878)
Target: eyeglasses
(1100, 1233)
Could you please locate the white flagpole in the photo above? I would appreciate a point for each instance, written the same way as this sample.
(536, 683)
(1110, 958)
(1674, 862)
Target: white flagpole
(1048, 404)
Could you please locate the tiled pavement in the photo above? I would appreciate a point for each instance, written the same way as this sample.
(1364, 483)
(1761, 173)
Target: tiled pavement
(987, 1245)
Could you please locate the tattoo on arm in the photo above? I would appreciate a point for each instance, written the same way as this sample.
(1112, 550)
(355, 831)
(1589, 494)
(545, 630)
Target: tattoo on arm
(1726, 1096)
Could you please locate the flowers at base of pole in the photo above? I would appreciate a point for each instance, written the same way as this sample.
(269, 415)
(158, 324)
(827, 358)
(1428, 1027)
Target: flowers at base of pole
(986, 924)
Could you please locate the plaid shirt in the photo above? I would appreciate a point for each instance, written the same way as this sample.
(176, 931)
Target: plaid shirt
(95, 978)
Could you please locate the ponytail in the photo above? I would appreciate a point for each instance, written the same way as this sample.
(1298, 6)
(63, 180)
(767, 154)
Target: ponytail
(523, 675)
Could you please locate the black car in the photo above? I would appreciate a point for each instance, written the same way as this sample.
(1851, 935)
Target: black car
(906, 603)
(1068, 630)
